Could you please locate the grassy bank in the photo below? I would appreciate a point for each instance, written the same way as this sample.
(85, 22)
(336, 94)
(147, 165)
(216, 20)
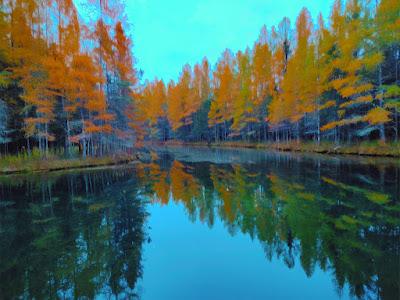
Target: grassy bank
(23, 163)
(365, 148)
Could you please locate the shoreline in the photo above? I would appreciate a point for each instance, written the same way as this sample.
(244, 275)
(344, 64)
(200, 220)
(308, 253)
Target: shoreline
(26, 165)
(53, 165)
(391, 150)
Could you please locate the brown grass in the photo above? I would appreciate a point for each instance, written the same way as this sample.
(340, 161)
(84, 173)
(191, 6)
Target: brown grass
(23, 163)
(375, 148)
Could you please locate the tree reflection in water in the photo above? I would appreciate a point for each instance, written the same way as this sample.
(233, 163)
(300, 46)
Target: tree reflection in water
(72, 236)
(82, 235)
(341, 215)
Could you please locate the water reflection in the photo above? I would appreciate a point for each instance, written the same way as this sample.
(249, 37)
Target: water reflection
(340, 215)
(71, 236)
(82, 235)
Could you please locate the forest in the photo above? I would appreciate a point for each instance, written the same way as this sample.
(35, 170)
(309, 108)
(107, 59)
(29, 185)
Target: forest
(70, 84)
(65, 83)
(334, 80)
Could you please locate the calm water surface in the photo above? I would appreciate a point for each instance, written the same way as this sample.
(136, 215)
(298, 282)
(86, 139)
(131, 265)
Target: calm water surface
(205, 224)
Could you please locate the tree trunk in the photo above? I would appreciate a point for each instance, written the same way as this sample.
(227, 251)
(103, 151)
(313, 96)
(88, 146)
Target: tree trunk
(396, 126)
(318, 125)
(28, 145)
(46, 126)
(381, 125)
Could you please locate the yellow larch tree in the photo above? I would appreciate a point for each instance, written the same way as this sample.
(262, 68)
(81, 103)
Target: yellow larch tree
(180, 100)
(280, 46)
(221, 111)
(262, 87)
(243, 104)
(355, 101)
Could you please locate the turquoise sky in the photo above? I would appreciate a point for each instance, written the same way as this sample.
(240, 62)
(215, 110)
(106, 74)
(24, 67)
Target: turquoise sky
(169, 33)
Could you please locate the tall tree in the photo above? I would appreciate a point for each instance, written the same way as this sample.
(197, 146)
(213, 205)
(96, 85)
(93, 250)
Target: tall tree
(281, 48)
(243, 105)
(385, 39)
(355, 90)
(262, 77)
(123, 80)
(181, 101)
(220, 114)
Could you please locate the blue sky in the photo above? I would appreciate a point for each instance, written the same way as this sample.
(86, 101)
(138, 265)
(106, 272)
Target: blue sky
(169, 33)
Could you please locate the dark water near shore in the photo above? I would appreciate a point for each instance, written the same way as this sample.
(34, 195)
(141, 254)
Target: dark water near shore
(197, 223)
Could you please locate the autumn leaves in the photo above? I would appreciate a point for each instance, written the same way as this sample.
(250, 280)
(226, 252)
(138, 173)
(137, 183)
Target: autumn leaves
(77, 79)
(311, 82)
(65, 81)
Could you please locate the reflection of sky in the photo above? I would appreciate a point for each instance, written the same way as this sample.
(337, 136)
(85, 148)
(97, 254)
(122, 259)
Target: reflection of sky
(189, 260)
(169, 33)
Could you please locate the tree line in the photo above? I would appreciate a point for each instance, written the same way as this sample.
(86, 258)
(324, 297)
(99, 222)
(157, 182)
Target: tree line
(334, 81)
(66, 82)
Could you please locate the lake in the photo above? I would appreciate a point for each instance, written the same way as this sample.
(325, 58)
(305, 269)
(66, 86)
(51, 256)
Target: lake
(200, 223)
